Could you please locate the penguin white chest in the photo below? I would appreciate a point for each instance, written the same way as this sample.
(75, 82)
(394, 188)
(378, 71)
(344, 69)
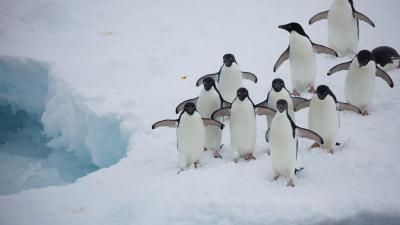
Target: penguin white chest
(360, 84)
(208, 102)
(302, 61)
(342, 28)
(282, 146)
(323, 118)
(230, 80)
(274, 97)
(191, 137)
(243, 126)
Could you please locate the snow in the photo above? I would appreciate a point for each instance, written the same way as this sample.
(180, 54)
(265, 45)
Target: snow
(126, 58)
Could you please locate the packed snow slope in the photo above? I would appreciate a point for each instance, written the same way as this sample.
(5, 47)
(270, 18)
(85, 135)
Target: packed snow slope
(129, 57)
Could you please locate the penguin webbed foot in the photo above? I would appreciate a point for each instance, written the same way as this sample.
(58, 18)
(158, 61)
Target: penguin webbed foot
(365, 113)
(250, 157)
(275, 178)
(180, 171)
(331, 151)
(217, 155)
(311, 90)
(290, 183)
(197, 164)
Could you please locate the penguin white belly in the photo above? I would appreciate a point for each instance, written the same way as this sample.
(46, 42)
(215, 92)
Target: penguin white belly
(303, 69)
(274, 97)
(342, 29)
(230, 80)
(191, 137)
(282, 146)
(208, 102)
(360, 85)
(323, 118)
(243, 127)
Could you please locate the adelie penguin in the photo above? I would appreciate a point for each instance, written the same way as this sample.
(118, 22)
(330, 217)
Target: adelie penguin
(386, 57)
(301, 55)
(242, 122)
(208, 102)
(278, 91)
(323, 116)
(360, 80)
(283, 142)
(229, 78)
(343, 26)
(190, 134)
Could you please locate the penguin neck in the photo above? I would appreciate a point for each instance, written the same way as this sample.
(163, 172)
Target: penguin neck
(233, 67)
(297, 39)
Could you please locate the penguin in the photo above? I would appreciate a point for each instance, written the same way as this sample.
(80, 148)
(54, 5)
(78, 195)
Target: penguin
(386, 57)
(229, 78)
(242, 122)
(209, 101)
(323, 116)
(360, 80)
(283, 143)
(343, 26)
(190, 134)
(301, 55)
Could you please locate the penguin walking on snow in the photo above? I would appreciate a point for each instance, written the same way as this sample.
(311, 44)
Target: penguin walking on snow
(343, 26)
(360, 80)
(208, 102)
(229, 78)
(283, 142)
(301, 55)
(386, 57)
(242, 122)
(190, 134)
(323, 117)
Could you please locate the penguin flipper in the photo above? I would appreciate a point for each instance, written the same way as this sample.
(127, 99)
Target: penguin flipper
(182, 104)
(226, 104)
(305, 133)
(221, 112)
(262, 104)
(341, 106)
(300, 103)
(165, 123)
(364, 18)
(382, 74)
(214, 76)
(320, 49)
(267, 135)
(282, 58)
(340, 67)
(211, 122)
(249, 76)
(264, 111)
(318, 17)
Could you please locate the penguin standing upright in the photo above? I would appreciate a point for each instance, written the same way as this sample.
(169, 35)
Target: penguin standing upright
(360, 80)
(229, 78)
(208, 102)
(343, 26)
(242, 122)
(386, 57)
(190, 134)
(283, 142)
(301, 55)
(323, 117)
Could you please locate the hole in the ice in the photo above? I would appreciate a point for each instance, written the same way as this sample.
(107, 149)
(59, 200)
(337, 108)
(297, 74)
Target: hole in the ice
(47, 135)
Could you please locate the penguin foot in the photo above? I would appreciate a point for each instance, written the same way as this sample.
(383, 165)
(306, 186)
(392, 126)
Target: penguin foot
(205, 149)
(331, 151)
(268, 152)
(196, 165)
(290, 183)
(217, 155)
(275, 178)
(295, 92)
(311, 90)
(315, 145)
(180, 171)
(235, 160)
(250, 157)
(365, 113)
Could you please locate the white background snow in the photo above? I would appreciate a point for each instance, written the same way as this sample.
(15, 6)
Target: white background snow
(128, 57)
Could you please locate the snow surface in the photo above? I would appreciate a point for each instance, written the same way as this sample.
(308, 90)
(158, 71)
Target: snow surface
(128, 57)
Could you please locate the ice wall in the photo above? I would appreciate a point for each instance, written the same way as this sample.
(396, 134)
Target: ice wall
(48, 135)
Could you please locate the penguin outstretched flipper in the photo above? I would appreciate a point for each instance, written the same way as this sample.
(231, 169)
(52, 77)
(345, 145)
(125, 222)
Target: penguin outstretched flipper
(165, 123)
(211, 122)
(382, 74)
(305, 133)
(320, 49)
(364, 18)
(282, 58)
(249, 76)
(341, 106)
(339, 67)
(264, 111)
(221, 112)
(318, 17)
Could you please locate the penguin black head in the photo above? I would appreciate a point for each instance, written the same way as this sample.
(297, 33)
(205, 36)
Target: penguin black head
(278, 84)
(242, 93)
(282, 105)
(190, 108)
(293, 27)
(229, 59)
(322, 91)
(364, 57)
(208, 83)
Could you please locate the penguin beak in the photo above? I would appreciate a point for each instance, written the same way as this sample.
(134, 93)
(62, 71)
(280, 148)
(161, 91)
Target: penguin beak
(284, 27)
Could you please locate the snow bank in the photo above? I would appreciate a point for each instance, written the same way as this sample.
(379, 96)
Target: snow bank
(48, 136)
